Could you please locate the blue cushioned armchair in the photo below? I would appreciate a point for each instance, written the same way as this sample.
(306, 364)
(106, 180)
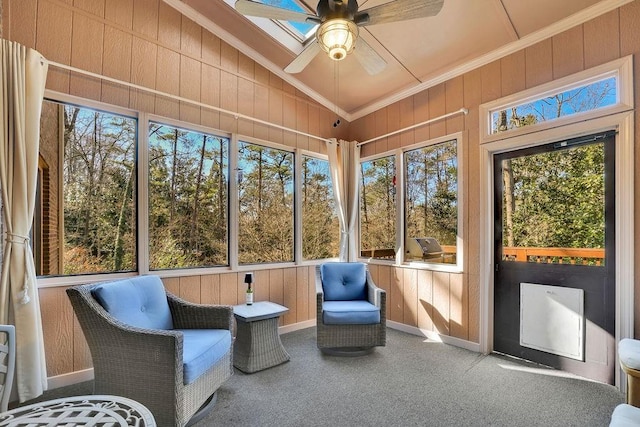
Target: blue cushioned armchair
(153, 347)
(351, 309)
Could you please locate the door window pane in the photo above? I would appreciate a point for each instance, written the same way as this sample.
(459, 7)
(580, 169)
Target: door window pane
(431, 203)
(265, 196)
(553, 206)
(320, 227)
(378, 208)
(188, 198)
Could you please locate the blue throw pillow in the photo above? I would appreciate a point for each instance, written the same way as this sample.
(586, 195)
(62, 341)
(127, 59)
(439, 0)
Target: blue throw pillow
(344, 281)
(140, 301)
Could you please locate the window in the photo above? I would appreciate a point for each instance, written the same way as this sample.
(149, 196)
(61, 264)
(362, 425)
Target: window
(188, 198)
(87, 216)
(378, 208)
(320, 228)
(431, 203)
(301, 30)
(584, 97)
(265, 199)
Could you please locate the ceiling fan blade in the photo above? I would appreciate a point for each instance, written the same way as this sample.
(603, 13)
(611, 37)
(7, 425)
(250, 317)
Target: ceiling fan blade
(399, 10)
(253, 8)
(304, 58)
(368, 57)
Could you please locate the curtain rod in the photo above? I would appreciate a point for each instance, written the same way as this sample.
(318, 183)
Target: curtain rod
(426, 122)
(235, 115)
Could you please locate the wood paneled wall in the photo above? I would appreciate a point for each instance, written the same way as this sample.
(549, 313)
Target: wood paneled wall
(148, 43)
(449, 303)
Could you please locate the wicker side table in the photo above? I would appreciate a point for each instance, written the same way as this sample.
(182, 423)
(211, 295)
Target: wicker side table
(258, 344)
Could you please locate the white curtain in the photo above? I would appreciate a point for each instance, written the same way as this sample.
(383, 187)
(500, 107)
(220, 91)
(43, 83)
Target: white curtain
(344, 164)
(23, 81)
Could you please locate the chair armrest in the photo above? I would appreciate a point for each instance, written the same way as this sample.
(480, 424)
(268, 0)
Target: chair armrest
(188, 315)
(376, 296)
(319, 293)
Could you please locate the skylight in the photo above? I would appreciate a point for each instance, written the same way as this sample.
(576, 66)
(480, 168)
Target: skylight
(290, 34)
(302, 29)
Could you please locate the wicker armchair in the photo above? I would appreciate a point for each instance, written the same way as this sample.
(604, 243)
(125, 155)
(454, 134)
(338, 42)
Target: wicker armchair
(147, 365)
(342, 331)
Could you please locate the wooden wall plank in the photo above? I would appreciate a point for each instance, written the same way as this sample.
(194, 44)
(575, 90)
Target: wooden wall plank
(261, 111)
(276, 109)
(54, 42)
(421, 114)
(441, 304)
(261, 285)
(512, 70)
(302, 124)
(303, 296)
(538, 63)
(395, 299)
(210, 87)
(289, 120)
(145, 17)
(19, 22)
(119, 12)
(57, 321)
(425, 299)
(410, 293)
(315, 145)
(312, 307)
(168, 81)
(393, 124)
(144, 57)
(598, 49)
(94, 7)
(172, 284)
(210, 289)
(190, 288)
(229, 289)
(228, 100)
(458, 303)
(276, 286)
(568, 52)
(190, 75)
(406, 119)
(169, 26)
(86, 53)
(454, 101)
(381, 128)
(117, 64)
(437, 108)
(472, 100)
(245, 96)
(490, 81)
(473, 283)
(290, 295)
(191, 37)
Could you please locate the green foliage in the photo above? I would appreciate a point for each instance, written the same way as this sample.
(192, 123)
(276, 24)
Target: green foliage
(377, 204)
(559, 198)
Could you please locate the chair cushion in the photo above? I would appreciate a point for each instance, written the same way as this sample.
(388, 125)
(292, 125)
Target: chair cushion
(344, 281)
(140, 301)
(629, 353)
(625, 416)
(350, 313)
(202, 348)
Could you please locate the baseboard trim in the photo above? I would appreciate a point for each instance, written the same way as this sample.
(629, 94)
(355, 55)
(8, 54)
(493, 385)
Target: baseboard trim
(87, 374)
(70, 378)
(296, 326)
(434, 336)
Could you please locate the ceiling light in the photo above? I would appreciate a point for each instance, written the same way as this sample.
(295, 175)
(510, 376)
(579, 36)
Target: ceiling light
(337, 37)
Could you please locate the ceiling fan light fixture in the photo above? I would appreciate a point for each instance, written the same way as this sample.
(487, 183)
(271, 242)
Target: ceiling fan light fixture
(337, 37)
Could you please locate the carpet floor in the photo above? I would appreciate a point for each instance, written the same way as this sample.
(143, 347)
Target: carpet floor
(410, 382)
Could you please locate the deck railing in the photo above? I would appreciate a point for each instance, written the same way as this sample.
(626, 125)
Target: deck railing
(580, 256)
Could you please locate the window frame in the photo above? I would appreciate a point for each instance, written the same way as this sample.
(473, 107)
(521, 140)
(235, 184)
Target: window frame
(62, 98)
(399, 153)
(142, 193)
(621, 69)
(298, 203)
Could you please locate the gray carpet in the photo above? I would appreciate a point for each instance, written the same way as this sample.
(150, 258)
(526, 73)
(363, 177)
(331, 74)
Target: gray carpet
(410, 382)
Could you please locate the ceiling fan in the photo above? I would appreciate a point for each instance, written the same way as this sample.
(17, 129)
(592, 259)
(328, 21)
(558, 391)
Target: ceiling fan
(337, 33)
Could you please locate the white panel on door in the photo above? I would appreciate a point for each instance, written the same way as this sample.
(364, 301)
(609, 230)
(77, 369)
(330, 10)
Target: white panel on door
(552, 319)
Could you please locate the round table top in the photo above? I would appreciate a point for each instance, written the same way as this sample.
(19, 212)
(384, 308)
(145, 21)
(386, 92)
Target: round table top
(95, 410)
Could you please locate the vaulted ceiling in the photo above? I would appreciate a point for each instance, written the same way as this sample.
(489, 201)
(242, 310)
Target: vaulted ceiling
(420, 52)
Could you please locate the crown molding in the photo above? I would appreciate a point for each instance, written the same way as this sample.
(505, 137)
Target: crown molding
(526, 41)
